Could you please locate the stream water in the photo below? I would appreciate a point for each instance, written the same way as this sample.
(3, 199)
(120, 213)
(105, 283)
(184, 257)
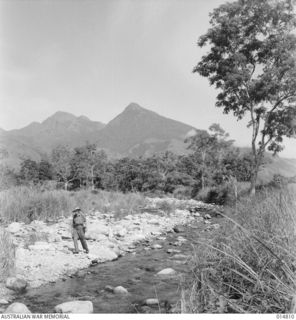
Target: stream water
(134, 271)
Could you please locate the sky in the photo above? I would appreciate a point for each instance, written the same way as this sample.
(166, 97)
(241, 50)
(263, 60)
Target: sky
(94, 57)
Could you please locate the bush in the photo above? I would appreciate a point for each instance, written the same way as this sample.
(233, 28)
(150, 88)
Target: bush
(249, 265)
(221, 195)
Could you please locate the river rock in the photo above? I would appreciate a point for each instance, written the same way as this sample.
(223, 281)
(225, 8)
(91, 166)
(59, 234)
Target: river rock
(178, 229)
(121, 232)
(16, 284)
(207, 216)
(103, 253)
(14, 227)
(167, 272)
(151, 301)
(173, 251)
(75, 307)
(17, 307)
(120, 290)
(3, 301)
(109, 289)
(156, 246)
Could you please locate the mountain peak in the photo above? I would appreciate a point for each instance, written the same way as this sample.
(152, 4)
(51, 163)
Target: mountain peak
(133, 107)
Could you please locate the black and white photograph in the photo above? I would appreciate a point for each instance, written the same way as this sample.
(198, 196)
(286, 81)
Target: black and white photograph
(147, 158)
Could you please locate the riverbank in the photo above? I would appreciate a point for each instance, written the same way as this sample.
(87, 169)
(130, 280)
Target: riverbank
(44, 251)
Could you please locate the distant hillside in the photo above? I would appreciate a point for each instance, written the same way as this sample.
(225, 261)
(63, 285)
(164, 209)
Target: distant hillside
(277, 165)
(138, 131)
(134, 132)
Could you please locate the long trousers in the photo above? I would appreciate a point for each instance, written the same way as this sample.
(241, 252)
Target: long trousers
(78, 233)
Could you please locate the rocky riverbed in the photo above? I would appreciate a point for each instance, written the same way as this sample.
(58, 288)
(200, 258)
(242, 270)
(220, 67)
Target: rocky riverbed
(44, 251)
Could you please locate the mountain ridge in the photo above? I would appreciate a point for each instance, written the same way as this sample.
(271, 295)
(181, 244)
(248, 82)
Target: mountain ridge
(135, 131)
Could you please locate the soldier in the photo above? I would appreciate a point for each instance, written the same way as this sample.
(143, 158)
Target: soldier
(79, 229)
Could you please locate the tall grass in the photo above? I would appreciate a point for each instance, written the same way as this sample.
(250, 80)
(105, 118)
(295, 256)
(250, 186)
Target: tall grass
(7, 255)
(29, 203)
(249, 265)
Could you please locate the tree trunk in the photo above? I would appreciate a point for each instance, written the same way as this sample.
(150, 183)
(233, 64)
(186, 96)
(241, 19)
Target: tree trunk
(254, 173)
(66, 185)
(203, 155)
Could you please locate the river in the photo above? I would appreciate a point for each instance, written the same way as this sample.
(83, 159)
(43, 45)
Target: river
(136, 271)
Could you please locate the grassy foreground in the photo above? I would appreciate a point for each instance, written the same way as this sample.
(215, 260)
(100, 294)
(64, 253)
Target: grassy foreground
(249, 266)
(26, 204)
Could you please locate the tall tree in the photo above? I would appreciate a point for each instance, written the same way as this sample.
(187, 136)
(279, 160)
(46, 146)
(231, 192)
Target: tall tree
(90, 163)
(252, 63)
(61, 158)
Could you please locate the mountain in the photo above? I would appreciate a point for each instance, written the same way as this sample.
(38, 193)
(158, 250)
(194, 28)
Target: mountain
(134, 132)
(138, 131)
(38, 139)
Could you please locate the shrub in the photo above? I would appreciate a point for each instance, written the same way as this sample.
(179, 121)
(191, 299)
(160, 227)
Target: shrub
(223, 194)
(249, 265)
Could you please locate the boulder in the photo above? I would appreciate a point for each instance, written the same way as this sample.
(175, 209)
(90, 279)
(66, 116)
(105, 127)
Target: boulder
(75, 307)
(17, 307)
(14, 227)
(167, 272)
(207, 216)
(16, 284)
(120, 290)
(103, 253)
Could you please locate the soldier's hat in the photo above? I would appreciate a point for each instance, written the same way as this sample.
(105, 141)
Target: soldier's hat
(76, 209)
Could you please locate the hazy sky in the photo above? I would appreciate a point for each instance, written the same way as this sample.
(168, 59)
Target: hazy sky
(95, 57)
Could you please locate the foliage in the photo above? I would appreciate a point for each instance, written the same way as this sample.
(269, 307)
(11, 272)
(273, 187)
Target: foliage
(248, 266)
(61, 157)
(252, 63)
(212, 161)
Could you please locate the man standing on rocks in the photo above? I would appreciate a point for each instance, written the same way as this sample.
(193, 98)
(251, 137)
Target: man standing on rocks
(79, 229)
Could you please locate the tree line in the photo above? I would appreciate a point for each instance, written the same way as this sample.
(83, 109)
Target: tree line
(212, 160)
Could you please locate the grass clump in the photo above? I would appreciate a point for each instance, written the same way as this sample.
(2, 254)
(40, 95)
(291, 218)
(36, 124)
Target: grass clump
(7, 255)
(248, 266)
(25, 204)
